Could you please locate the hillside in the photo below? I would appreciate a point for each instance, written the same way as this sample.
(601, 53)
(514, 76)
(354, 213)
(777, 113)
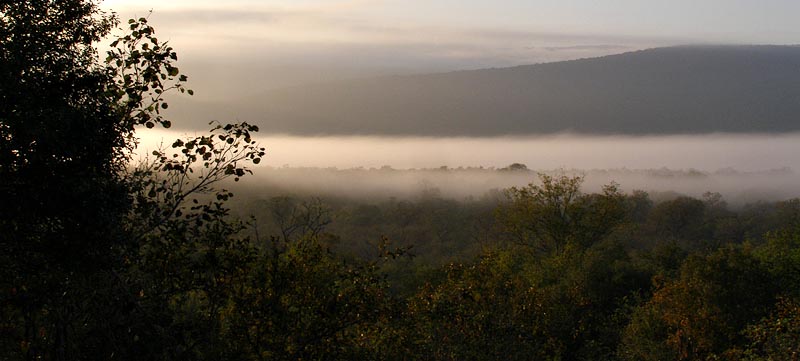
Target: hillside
(675, 90)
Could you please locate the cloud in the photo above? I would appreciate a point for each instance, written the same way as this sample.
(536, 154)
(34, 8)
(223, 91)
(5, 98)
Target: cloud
(217, 17)
(356, 21)
(585, 47)
(231, 49)
(230, 52)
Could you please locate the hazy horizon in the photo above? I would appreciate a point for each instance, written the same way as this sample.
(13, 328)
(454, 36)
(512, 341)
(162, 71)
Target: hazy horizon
(237, 48)
(276, 63)
(706, 152)
(742, 168)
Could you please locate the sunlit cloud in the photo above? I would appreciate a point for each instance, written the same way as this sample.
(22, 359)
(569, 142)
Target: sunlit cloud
(268, 31)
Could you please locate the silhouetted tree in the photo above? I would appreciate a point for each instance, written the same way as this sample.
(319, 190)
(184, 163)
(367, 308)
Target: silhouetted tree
(61, 154)
(77, 229)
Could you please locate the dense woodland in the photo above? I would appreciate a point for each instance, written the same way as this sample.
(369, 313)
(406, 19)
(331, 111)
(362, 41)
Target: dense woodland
(102, 258)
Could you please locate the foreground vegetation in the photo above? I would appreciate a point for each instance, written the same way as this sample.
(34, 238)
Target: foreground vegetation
(104, 261)
(548, 272)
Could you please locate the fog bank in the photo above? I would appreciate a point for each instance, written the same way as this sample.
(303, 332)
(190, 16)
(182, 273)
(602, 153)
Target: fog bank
(737, 188)
(744, 168)
(703, 152)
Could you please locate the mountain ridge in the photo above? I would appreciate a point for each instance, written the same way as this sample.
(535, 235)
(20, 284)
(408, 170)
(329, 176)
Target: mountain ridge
(690, 89)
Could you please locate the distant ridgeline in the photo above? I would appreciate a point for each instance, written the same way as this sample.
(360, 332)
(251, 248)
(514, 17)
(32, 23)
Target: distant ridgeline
(675, 90)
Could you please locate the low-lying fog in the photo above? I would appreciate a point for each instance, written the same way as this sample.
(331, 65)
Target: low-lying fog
(743, 168)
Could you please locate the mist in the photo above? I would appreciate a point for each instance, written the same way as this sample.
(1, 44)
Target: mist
(737, 188)
(744, 168)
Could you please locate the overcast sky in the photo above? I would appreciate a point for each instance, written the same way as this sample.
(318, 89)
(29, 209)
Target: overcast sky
(229, 47)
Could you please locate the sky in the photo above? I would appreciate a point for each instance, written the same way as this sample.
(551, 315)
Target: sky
(241, 46)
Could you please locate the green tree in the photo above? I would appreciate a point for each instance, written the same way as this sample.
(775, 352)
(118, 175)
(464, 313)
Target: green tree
(556, 214)
(481, 310)
(299, 301)
(704, 311)
(781, 255)
(680, 220)
(776, 337)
